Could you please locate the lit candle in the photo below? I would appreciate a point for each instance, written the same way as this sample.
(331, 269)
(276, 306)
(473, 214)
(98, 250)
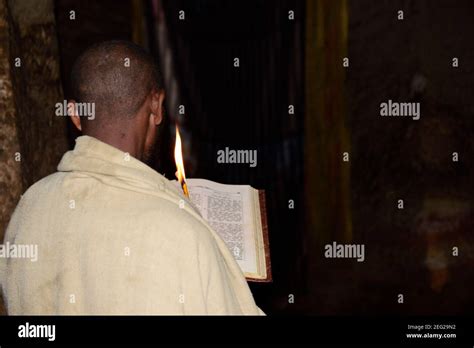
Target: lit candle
(178, 158)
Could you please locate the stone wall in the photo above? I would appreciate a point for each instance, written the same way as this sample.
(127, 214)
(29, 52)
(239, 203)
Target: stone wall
(32, 138)
(410, 60)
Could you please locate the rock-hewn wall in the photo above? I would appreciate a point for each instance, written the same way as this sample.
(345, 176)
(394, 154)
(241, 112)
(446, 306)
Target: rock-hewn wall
(410, 60)
(32, 138)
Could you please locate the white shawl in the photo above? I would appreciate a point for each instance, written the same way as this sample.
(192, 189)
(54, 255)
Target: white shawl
(112, 239)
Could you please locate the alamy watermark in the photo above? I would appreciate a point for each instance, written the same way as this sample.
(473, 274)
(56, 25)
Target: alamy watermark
(19, 251)
(28, 330)
(346, 251)
(237, 156)
(79, 109)
(390, 108)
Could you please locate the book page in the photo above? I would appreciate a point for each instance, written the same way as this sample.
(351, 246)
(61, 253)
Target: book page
(228, 210)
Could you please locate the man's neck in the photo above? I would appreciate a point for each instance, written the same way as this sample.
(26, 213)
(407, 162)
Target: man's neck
(119, 140)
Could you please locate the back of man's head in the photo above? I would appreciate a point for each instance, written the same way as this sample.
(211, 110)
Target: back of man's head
(117, 76)
(124, 85)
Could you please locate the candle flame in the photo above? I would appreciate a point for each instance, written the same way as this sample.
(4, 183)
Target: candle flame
(178, 158)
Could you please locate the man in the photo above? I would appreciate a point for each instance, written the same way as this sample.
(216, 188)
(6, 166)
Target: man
(111, 235)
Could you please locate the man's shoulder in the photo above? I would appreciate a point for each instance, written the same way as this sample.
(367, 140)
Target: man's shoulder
(166, 215)
(45, 184)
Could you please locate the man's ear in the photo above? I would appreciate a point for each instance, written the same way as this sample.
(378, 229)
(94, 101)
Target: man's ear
(72, 112)
(157, 99)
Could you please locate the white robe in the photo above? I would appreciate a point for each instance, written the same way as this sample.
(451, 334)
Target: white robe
(112, 239)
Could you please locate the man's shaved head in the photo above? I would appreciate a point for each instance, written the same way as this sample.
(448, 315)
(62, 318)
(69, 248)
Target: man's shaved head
(115, 75)
(124, 85)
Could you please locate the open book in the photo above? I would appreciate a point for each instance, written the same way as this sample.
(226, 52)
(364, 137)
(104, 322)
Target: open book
(238, 214)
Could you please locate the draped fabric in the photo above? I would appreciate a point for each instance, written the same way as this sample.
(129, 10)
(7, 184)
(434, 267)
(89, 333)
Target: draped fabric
(123, 246)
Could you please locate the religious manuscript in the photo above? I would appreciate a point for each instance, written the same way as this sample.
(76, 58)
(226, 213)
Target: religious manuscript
(238, 214)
